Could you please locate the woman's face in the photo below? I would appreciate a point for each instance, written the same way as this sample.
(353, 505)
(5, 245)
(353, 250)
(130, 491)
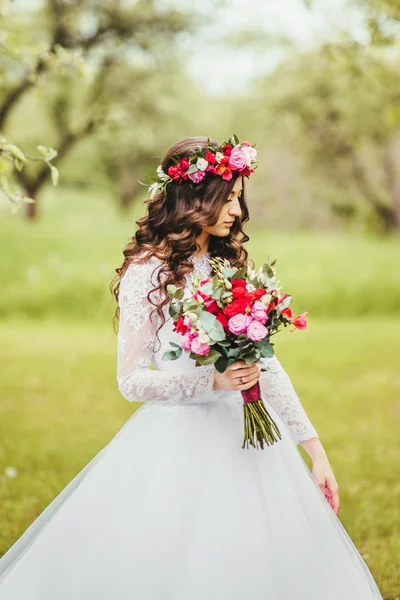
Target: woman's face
(230, 210)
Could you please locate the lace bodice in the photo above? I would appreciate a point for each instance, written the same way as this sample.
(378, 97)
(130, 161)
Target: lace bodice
(180, 381)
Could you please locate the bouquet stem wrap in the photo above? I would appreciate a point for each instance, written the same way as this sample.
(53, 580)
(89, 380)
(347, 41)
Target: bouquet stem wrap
(259, 427)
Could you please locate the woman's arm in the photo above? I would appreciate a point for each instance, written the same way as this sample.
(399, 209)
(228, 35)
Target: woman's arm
(136, 335)
(322, 472)
(277, 389)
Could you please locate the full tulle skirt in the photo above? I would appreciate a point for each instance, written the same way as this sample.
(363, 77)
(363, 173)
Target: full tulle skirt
(172, 508)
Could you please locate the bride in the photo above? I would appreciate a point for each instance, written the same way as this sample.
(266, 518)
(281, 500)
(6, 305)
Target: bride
(173, 508)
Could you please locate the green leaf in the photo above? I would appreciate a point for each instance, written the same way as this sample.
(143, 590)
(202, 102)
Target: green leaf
(19, 164)
(170, 355)
(209, 359)
(267, 350)
(222, 364)
(16, 152)
(4, 163)
(207, 320)
(54, 174)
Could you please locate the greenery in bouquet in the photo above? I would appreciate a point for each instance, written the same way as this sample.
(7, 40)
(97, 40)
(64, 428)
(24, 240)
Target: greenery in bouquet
(231, 317)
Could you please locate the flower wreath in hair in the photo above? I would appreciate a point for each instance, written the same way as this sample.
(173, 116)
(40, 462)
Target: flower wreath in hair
(231, 157)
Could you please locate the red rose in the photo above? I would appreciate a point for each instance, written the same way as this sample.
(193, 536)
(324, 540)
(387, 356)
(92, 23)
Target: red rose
(183, 164)
(173, 173)
(222, 319)
(212, 307)
(180, 327)
(237, 306)
(238, 283)
(231, 310)
(210, 158)
(238, 291)
(259, 293)
(226, 149)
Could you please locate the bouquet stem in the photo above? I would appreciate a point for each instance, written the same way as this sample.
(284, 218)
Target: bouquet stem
(259, 426)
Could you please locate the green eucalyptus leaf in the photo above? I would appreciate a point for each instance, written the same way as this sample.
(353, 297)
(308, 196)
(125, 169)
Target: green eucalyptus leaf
(170, 355)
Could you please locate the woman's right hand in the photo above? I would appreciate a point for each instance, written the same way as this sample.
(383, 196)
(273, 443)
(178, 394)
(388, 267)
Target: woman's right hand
(230, 378)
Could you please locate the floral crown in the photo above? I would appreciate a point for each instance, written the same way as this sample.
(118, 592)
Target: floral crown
(231, 157)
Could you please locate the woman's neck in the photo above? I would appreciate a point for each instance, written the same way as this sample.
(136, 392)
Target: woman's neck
(202, 241)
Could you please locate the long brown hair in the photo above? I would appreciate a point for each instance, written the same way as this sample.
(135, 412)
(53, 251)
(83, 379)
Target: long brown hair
(173, 221)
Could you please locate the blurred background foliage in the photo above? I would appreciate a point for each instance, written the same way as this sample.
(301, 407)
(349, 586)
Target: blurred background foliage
(110, 85)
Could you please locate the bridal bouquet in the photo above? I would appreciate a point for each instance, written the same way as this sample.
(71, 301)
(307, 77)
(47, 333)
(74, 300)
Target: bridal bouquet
(229, 318)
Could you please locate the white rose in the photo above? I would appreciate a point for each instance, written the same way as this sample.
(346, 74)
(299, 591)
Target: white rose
(250, 154)
(219, 156)
(202, 164)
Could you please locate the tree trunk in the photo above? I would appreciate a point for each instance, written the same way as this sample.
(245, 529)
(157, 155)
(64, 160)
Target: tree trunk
(384, 213)
(393, 180)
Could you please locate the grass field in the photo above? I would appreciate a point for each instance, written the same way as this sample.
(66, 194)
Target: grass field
(59, 403)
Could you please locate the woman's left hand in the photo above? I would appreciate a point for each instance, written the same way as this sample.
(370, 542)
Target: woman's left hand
(323, 475)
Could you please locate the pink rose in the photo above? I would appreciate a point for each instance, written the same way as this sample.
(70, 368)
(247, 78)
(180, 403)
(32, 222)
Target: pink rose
(199, 347)
(197, 176)
(239, 323)
(186, 342)
(256, 331)
(237, 159)
(259, 311)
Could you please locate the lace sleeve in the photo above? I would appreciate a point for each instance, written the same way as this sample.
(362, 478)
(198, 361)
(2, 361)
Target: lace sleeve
(136, 380)
(277, 389)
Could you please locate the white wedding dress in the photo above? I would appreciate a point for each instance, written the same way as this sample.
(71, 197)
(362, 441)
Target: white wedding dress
(173, 508)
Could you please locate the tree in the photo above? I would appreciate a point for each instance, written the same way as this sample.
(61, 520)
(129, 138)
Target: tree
(131, 34)
(341, 107)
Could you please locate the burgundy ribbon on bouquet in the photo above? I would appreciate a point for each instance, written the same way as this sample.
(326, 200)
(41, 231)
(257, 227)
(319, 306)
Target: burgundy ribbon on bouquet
(252, 394)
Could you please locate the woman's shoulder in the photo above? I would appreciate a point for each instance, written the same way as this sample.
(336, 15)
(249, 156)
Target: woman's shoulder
(141, 270)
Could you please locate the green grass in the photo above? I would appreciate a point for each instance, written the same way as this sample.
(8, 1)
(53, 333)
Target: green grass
(60, 405)
(61, 266)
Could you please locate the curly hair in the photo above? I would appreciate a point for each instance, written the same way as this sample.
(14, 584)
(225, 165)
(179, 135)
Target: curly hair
(173, 222)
